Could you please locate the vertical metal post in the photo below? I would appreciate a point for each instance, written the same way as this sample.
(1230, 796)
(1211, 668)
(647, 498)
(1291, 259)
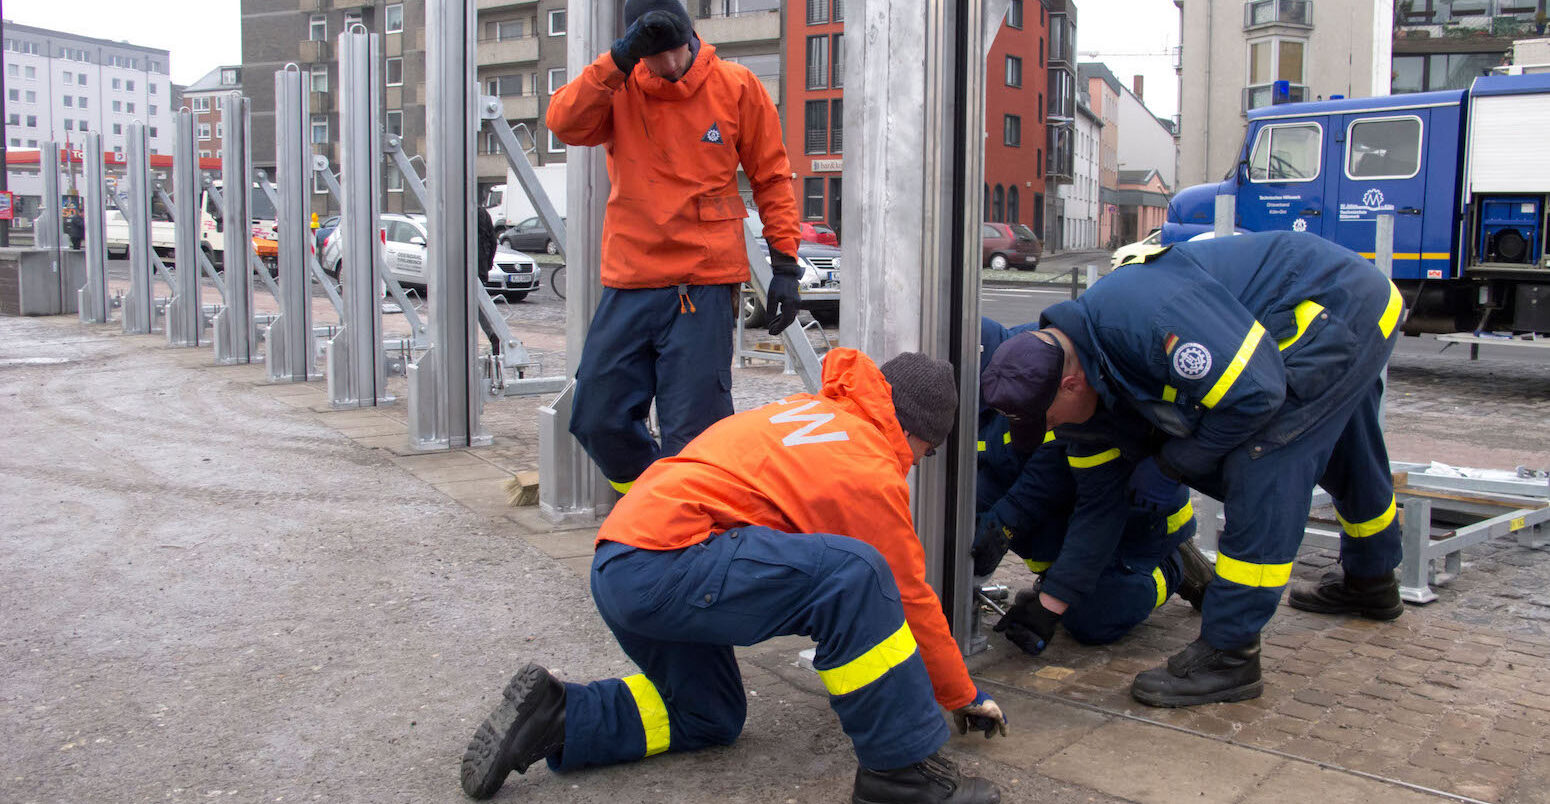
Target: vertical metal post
(444, 398)
(356, 366)
(140, 302)
(47, 232)
(185, 318)
(916, 198)
(1383, 251)
(92, 298)
(290, 336)
(571, 486)
(234, 331)
(1226, 214)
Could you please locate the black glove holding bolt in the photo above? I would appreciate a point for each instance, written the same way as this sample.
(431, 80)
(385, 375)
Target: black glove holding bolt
(653, 32)
(784, 296)
(1027, 624)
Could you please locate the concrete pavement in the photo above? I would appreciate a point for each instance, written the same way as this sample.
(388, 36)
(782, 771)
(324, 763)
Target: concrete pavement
(218, 588)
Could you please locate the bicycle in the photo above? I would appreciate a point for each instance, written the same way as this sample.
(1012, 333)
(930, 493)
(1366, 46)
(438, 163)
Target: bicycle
(557, 281)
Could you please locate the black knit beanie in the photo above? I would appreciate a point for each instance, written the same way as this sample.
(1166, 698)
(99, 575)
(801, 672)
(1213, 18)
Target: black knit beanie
(925, 395)
(634, 9)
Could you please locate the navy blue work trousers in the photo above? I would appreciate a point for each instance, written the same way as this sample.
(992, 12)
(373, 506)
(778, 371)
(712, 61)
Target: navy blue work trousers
(677, 614)
(652, 343)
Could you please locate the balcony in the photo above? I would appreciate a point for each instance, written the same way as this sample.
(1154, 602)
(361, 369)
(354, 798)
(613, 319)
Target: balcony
(490, 166)
(508, 51)
(1258, 13)
(772, 86)
(740, 27)
(504, 4)
(315, 52)
(351, 5)
(519, 107)
(1264, 95)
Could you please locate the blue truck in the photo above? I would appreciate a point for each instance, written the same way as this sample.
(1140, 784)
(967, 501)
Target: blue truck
(1466, 174)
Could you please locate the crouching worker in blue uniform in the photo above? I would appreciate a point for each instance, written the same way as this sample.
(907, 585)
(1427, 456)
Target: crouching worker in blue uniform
(1062, 507)
(1260, 358)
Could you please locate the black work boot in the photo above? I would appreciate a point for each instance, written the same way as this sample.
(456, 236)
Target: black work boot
(1195, 573)
(933, 780)
(528, 726)
(1201, 674)
(1339, 593)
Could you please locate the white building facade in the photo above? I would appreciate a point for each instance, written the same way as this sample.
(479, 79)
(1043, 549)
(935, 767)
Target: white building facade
(1081, 195)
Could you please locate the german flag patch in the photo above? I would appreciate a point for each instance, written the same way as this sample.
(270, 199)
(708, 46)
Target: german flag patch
(1169, 342)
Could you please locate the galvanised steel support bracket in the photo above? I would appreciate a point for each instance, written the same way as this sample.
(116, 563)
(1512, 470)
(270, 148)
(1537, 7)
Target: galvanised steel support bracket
(185, 320)
(92, 298)
(290, 337)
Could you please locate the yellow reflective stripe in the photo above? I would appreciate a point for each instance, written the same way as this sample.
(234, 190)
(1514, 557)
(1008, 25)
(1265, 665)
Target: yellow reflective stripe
(653, 713)
(1305, 313)
(1412, 255)
(1162, 587)
(1037, 566)
(1239, 361)
(1391, 314)
(980, 445)
(1049, 435)
(622, 488)
(870, 666)
(1358, 530)
(1249, 574)
(1170, 393)
(1089, 461)
(1181, 517)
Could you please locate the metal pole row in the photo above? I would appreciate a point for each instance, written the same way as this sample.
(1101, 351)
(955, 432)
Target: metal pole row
(140, 302)
(235, 333)
(92, 299)
(185, 319)
(290, 337)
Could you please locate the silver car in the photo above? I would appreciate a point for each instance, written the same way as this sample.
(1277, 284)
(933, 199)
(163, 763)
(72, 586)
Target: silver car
(404, 239)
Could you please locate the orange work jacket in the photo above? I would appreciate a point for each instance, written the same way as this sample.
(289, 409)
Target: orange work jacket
(834, 462)
(674, 213)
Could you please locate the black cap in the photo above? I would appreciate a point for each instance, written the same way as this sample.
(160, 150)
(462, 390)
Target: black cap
(1020, 382)
(683, 25)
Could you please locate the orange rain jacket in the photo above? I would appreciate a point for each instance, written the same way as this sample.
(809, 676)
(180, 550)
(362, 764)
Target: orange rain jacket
(674, 214)
(828, 463)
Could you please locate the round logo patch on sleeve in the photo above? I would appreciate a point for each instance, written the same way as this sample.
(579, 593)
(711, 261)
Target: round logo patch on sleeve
(1192, 361)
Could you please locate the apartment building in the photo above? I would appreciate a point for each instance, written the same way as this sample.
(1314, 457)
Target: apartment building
(59, 85)
(1080, 197)
(203, 98)
(1446, 44)
(1235, 54)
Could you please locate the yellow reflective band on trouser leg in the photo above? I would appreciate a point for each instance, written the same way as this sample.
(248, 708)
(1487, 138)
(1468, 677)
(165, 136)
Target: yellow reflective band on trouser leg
(1359, 530)
(1235, 368)
(1037, 566)
(653, 713)
(1304, 313)
(1162, 587)
(622, 488)
(870, 666)
(1089, 461)
(1391, 313)
(1049, 435)
(1181, 517)
(980, 445)
(1245, 573)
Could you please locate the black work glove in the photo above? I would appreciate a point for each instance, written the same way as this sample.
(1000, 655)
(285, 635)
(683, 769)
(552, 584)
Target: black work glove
(654, 32)
(1027, 624)
(991, 540)
(784, 296)
(1153, 488)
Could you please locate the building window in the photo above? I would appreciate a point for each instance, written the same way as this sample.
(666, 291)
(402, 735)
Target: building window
(153, 87)
(393, 18)
(317, 29)
(1424, 73)
(557, 22)
(69, 101)
(555, 146)
(817, 62)
(153, 131)
(119, 129)
(129, 107)
(395, 180)
(812, 198)
(836, 126)
(1040, 109)
(1014, 14)
(118, 84)
(1388, 148)
(1012, 131)
(556, 79)
(129, 85)
(817, 126)
(839, 10)
(817, 12)
(510, 29)
(319, 187)
(1299, 12)
(1272, 60)
(69, 77)
(492, 143)
(204, 131)
(13, 94)
(118, 106)
(220, 130)
(998, 206)
(80, 80)
(80, 103)
(1011, 204)
(319, 77)
(32, 121)
(395, 123)
(319, 129)
(1286, 153)
(69, 124)
(1014, 71)
(395, 71)
(838, 44)
(32, 72)
(1038, 162)
(14, 120)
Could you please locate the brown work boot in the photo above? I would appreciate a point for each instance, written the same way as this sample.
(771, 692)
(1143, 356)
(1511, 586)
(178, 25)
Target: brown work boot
(933, 780)
(1195, 574)
(527, 726)
(1338, 593)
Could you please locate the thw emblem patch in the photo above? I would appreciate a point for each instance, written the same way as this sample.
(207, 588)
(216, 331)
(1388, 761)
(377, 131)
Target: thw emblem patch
(713, 135)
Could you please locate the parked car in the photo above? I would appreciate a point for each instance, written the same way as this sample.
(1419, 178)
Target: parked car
(1140, 248)
(529, 235)
(1010, 245)
(819, 283)
(325, 228)
(819, 233)
(404, 240)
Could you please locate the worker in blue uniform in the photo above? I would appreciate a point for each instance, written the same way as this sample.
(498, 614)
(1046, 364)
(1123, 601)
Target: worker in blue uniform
(1260, 357)
(1104, 565)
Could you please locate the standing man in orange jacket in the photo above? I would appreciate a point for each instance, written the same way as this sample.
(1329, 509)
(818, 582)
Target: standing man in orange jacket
(676, 122)
(736, 540)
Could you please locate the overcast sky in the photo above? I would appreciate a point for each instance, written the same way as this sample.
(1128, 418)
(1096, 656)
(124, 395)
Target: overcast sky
(204, 34)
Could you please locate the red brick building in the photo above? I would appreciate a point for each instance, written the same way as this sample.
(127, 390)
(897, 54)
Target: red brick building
(815, 115)
(1015, 80)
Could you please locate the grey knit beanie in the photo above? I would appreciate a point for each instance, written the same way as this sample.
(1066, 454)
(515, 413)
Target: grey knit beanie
(925, 395)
